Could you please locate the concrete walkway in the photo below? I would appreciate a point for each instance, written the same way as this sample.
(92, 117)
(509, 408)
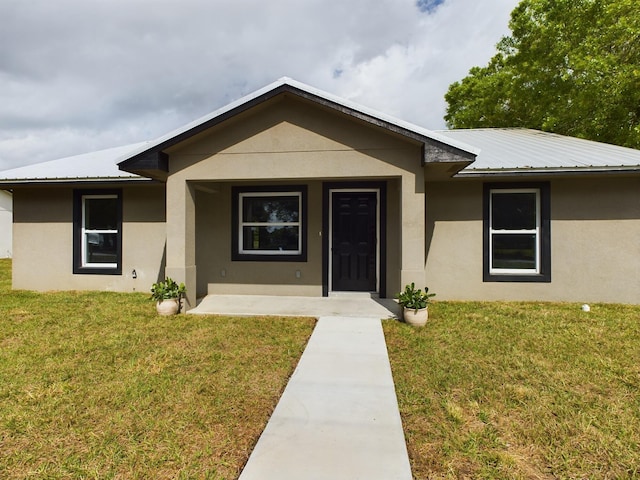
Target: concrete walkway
(338, 417)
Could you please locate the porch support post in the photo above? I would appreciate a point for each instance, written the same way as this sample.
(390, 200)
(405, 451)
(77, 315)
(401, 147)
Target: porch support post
(413, 230)
(181, 236)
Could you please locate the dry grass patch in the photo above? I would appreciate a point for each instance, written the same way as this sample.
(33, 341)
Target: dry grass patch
(96, 385)
(520, 390)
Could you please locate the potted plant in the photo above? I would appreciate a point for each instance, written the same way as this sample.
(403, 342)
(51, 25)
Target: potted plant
(168, 295)
(415, 303)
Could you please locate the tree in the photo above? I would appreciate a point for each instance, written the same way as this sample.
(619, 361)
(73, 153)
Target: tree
(569, 66)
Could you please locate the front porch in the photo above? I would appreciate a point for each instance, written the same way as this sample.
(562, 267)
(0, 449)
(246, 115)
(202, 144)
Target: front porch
(340, 305)
(348, 236)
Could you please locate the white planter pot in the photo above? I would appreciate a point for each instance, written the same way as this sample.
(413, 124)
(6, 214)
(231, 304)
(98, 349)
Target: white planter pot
(168, 307)
(416, 317)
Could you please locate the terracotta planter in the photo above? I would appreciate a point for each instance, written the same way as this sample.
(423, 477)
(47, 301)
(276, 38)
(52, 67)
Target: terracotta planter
(416, 317)
(168, 307)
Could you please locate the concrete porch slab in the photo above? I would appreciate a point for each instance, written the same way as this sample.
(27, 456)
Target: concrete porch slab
(345, 305)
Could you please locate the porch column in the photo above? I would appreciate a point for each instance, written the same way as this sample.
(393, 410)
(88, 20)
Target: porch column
(412, 223)
(181, 236)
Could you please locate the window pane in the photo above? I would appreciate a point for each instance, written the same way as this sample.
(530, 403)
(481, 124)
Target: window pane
(270, 238)
(514, 251)
(513, 211)
(102, 248)
(100, 213)
(281, 209)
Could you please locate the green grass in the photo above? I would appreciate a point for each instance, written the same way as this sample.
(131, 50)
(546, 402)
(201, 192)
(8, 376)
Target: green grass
(520, 390)
(97, 385)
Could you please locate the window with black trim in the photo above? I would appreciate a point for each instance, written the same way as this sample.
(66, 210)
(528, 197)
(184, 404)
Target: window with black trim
(517, 233)
(97, 225)
(269, 223)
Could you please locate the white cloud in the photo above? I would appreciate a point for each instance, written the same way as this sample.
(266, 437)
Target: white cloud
(78, 75)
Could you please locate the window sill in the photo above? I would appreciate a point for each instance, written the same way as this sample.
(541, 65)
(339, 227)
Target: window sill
(243, 257)
(97, 271)
(511, 277)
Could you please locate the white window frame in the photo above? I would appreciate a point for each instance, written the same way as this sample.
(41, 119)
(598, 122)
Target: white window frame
(85, 232)
(535, 231)
(242, 223)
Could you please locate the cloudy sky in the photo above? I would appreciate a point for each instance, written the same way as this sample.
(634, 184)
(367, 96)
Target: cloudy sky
(82, 75)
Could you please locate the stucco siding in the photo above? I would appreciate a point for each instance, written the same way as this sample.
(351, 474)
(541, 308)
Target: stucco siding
(596, 239)
(6, 218)
(595, 247)
(292, 141)
(218, 274)
(43, 235)
(453, 239)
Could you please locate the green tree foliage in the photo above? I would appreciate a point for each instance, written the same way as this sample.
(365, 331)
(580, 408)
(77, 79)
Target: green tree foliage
(569, 66)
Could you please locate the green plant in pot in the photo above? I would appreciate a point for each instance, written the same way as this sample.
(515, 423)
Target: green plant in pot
(168, 295)
(415, 303)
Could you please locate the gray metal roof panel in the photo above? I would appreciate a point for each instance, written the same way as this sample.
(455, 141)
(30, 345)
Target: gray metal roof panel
(525, 149)
(100, 165)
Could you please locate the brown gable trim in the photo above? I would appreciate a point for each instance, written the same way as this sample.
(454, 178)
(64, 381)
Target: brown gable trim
(432, 150)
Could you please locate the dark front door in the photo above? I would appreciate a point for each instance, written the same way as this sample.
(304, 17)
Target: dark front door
(353, 241)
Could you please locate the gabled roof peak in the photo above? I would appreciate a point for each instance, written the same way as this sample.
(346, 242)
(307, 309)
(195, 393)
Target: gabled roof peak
(151, 156)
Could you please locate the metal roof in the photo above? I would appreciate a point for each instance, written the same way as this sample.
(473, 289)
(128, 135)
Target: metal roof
(515, 151)
(525, 151)
(94, 166)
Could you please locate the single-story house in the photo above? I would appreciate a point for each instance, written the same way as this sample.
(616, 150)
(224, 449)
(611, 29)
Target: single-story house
(293, 191)
(6, 219)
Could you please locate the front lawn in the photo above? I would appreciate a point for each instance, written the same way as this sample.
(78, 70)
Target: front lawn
(520, 390)
(96, 385)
